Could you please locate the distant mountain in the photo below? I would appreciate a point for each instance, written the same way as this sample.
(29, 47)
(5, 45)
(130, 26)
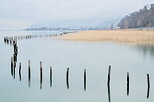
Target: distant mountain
(142, 18)
(89, 24)
(68, 23)
(109, 24)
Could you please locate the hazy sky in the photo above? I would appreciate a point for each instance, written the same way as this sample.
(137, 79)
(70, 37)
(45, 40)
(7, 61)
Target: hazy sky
(23, 13)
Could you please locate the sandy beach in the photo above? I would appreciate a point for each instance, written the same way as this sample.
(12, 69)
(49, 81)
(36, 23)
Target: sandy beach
(111, 35)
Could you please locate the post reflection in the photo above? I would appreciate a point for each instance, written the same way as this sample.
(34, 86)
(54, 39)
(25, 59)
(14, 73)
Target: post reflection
(40, 84)
(148, 92)
(14, 71)
(29, 83)
(20, 76)
(109, 94)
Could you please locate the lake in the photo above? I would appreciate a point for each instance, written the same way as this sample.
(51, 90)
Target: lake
(92, 57)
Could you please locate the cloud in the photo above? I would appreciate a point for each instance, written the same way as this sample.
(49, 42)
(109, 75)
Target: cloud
(35, 11)
(7, 24)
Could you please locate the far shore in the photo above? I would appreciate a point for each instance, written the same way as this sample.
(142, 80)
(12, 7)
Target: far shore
(129, 35)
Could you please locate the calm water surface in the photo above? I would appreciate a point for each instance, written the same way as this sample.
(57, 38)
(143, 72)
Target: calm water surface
(95, 57)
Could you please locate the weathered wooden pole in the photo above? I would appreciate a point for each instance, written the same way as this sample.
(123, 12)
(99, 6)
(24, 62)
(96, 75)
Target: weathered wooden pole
(108, 84)
(84, 79)
(14, 69)
(50, 76)
(67, 78)
(127, 83)
(29, 73)
(19, 67)
(40, 74)
(14, 60)
(7, 39)
(20, 71)
(10, 41)
(148, 81)
(4, 40)
(109, 72)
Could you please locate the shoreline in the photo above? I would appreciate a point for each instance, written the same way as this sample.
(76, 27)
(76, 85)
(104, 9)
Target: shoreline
(128, 35)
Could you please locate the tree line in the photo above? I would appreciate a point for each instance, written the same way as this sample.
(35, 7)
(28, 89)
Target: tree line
(142, 18)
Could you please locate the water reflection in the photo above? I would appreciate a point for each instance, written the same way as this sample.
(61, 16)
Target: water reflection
(109, 95)
(14, 70)
(20, 76)
(40, 84)
(146, 49)
(13, 66)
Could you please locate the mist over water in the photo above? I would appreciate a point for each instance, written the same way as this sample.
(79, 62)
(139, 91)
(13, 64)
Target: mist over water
(86, 78)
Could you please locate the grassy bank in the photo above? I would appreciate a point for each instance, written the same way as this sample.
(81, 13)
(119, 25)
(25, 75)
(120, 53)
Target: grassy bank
(111, 35)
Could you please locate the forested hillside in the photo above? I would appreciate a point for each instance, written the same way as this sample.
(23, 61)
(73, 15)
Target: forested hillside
(142, 18)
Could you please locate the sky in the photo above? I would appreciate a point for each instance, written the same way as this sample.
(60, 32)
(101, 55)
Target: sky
(20, 14)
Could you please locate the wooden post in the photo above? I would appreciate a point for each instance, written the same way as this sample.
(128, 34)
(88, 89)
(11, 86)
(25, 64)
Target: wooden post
(84, 79)
(7, 40)
(14, 60)
(50, 76)
(127, 83)
(40, 74)
(19, 67)
(4, 40)
(148, 81)
(67, 76)
(29, 73)
(108, 84)
(109, 72)
(20, 71)
(12, 66)
(14, 69)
